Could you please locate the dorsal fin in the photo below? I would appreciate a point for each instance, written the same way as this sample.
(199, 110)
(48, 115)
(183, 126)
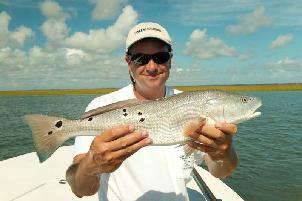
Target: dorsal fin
(112, 106)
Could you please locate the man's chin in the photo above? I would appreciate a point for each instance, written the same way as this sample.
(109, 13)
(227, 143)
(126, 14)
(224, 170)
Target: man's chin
(156, 84)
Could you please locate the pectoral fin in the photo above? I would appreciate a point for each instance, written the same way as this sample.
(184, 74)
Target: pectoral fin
(191, 126)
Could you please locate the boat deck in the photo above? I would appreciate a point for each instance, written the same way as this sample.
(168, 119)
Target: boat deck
(24, 178)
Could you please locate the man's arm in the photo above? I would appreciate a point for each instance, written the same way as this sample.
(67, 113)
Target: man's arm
(107, 152)
(80, 182)
(216, 142)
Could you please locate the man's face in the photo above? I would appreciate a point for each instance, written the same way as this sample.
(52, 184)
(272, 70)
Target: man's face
(151, 75)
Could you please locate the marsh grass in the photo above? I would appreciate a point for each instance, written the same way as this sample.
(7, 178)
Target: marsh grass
(256, 87)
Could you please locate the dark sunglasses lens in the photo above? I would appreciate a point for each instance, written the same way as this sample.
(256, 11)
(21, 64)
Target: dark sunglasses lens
(140, 59)
(161, 57)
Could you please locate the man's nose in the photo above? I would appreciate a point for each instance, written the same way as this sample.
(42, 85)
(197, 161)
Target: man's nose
(151, 65)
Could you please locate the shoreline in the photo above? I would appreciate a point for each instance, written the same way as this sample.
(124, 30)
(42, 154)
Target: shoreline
(241, 87)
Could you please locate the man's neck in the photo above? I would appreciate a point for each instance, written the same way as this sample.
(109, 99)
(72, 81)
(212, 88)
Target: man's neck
(149, 94)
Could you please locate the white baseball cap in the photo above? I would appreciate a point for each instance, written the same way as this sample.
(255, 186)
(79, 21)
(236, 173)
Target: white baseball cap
(147, 30)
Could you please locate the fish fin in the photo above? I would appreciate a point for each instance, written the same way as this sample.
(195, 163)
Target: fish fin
(188, 150)
(188, 128)
(47, 133)
(188, 157)
(191, 126)
(112, 106)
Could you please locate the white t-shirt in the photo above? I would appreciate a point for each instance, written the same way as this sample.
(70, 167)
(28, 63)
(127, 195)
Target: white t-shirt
(153, 173)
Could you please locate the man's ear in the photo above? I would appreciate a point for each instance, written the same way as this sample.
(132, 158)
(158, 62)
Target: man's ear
(127, 59)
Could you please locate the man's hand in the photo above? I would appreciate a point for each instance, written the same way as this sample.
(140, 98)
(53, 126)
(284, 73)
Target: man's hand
(216, 142)
(109, 150)
(213, 140)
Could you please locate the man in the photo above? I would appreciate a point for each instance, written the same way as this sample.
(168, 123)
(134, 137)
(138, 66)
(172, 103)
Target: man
(103, 163)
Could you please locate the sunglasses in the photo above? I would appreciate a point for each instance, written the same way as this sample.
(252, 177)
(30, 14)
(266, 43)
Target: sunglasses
(141, 59)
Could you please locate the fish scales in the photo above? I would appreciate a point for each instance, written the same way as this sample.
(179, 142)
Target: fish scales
(165, 119)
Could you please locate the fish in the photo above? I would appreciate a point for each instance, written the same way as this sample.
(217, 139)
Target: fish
(167, 120)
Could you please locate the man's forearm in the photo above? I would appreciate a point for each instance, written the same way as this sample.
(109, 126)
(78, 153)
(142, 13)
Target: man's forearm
(222, 166)
(81, 182)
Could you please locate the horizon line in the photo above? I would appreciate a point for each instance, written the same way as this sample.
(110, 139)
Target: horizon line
(234, 87)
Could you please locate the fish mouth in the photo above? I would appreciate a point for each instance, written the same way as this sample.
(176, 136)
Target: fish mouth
(254, 113)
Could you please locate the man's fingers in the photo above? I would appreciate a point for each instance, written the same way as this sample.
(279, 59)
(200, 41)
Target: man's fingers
(127, 140)
(115, 133)
(209, 132)
(213, 133)
(206, 141)
(201, 147)
(227, 128)
(128, 151)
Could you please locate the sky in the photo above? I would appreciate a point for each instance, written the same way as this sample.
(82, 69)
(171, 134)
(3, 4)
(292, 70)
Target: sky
(67, 44)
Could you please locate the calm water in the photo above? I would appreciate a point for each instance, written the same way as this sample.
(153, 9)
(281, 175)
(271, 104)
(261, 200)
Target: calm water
(269, 147)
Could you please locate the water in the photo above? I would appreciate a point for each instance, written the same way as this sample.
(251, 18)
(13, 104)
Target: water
(15, 134)
(270, 150)
(269, 147)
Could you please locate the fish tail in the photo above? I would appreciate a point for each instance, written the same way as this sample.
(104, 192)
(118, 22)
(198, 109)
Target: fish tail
(48, 133)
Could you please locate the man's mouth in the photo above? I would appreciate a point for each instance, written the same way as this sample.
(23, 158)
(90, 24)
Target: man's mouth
(153, 75)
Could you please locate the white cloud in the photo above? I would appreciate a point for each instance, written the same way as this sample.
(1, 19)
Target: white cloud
(104, 40)
(76, 57)
(4, 20)
(54, 28)
(251, 22)
(4, 33)
(84, 62)
(16, 38)
(12, 59)
(287, 64)
(281, 40)
(53, 10)
(21, 34)
(218, 13)
(63, 68)
(107, 9)
(202, 46)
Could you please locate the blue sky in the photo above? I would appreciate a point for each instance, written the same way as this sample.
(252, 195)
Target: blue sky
(80, 43)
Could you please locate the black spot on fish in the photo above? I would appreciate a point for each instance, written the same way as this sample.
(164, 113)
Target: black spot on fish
(244, 99)
(90, 118)
(124, 110)
(125, 114)
(139, 113)
(50, 132)
(59, 124)
(142, 119)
